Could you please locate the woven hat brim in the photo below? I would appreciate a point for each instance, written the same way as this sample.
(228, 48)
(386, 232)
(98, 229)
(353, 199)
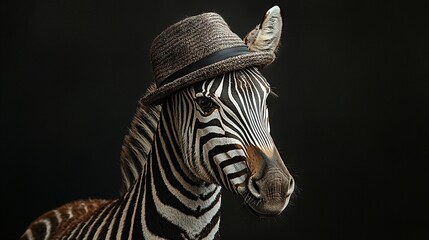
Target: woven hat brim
(260, 59)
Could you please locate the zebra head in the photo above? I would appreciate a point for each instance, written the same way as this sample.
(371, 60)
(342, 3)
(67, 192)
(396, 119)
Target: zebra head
(226, 133)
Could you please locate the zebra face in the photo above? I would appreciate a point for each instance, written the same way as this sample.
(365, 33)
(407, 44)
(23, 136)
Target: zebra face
(226, 139)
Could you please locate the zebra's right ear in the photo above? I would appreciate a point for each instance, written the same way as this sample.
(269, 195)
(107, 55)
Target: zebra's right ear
(266, 35)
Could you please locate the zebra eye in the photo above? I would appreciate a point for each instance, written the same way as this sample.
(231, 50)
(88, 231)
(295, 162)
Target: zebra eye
(206, 104)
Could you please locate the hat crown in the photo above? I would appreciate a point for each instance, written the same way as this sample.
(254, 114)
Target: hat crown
(188, 41)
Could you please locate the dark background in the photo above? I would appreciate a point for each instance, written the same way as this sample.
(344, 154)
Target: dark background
(351, 117)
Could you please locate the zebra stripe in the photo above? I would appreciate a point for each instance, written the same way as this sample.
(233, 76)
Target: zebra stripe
(174, 161)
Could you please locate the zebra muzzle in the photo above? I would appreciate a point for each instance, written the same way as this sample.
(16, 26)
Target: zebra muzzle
(270, 184)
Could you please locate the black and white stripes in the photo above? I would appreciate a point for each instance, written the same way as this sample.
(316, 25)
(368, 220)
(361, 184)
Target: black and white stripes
(216, 142)
(175, 160)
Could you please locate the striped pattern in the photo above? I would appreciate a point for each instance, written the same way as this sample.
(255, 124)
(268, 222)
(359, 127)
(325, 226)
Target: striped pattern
(175, 160)
(216, 143)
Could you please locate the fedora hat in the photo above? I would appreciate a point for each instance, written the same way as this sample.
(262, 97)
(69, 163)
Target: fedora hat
(195, 49)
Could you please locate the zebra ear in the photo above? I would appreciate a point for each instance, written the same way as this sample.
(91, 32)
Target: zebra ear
(266, 35)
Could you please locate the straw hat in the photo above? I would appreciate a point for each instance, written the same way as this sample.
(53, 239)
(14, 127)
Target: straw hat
(195, 49)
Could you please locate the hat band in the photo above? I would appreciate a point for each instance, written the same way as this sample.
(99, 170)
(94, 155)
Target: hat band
(204, 62)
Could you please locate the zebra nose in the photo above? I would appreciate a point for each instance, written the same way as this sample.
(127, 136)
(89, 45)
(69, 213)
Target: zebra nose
(270, 194)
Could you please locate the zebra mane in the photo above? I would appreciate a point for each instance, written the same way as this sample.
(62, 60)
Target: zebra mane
(137, 143)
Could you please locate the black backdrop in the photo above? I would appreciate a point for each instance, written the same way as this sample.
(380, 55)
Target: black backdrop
(351, 117)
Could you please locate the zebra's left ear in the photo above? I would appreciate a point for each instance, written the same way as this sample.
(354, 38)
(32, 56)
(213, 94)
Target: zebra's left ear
(266, 35)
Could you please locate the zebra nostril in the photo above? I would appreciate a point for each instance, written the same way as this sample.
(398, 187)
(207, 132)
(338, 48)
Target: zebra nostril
(291, 183)
(254, 188)
(291, 187)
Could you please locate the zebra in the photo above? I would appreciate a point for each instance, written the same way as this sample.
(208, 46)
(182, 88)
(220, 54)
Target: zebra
(178, 155)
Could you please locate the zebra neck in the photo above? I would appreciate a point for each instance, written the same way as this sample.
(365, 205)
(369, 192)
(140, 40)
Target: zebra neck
(174, 205)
